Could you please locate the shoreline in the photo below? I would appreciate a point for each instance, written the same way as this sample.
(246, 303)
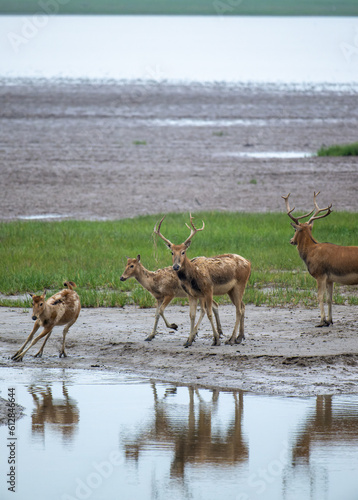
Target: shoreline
(283, 354)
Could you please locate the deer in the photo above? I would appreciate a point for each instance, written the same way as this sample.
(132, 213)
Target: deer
(164, 285)
(62, 308)
(327, 263)
(204, 277)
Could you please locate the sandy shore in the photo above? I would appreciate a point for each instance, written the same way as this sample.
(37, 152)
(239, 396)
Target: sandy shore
(94, 151)
(283, 352)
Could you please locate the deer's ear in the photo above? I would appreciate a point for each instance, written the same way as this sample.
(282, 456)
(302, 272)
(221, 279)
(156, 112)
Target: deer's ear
(138, 257)
(188, 243)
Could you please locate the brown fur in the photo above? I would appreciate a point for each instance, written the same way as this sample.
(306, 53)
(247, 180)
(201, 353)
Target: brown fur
(164, 285)
(204, 277)
(63, 308)
(327, 263)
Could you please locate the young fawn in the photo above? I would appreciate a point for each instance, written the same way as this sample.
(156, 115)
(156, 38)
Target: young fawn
(61, 309)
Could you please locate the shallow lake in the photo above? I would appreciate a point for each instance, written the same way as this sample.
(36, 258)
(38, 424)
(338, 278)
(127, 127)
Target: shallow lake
(100, 435)
(179, 48)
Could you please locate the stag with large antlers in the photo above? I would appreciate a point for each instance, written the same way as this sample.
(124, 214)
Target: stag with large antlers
(203, 277)
(164, 285)
(326, 262)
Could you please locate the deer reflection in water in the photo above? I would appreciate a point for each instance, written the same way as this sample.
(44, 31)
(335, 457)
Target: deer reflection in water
(62, 412)
(324, 427)
(327, 426)
(195, 440)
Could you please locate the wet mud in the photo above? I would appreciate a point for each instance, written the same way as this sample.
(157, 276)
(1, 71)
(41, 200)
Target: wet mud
(283, 353)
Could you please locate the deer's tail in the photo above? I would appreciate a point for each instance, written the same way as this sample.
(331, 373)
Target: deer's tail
(70, 284)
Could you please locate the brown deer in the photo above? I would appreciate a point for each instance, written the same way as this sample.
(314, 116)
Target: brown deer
(61, 309)
(164, 285)
(203, 277)
(326, 262)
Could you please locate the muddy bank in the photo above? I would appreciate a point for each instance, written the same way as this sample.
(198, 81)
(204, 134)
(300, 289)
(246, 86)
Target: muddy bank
(283, 352)
(93, 151)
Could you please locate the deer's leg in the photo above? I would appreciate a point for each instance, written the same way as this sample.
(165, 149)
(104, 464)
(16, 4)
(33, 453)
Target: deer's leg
(161, 305)
(321, 285)
(329, 288)
(209, 312)
(65, 331)
(192, 313)
(166, 302)
(39, 354)
(29, 338)
(217, 318)
(45, 331)
(236, 298)
(202, 314)
(152, 335)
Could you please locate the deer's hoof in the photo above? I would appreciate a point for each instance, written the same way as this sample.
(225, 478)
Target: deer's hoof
(173, 326)
(148, 339)
(323, 323)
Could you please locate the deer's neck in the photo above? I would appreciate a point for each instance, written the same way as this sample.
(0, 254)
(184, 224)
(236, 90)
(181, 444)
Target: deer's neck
(145, 278)
(189, 278)
(305, 244)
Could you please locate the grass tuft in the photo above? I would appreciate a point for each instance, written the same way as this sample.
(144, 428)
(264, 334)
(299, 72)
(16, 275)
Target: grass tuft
(339, 150)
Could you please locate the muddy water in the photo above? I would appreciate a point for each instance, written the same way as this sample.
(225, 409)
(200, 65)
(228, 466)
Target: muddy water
(109, 436)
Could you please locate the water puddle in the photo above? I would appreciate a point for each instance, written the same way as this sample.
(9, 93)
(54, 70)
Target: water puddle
(91, 434)
(283, 155)
(241, 122)
(42, 216)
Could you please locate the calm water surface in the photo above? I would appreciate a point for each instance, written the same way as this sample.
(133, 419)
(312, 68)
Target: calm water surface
(107, 436)
(160, 48)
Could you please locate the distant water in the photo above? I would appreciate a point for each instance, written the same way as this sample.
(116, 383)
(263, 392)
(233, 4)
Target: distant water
(303, 50)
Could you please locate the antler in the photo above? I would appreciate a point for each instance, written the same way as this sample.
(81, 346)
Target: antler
(289, 212)
(193, 230)
(157, 231)
(319, 210)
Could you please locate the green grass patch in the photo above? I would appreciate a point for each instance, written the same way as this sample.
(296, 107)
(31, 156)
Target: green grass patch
(339, 150)
(35, 255)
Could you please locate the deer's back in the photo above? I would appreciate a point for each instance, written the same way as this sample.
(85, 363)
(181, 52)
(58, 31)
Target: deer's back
(66, 306)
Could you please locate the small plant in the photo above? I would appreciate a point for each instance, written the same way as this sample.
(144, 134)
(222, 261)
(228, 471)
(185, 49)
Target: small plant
(253, 181)
(140, 143)
(339, 150)
(219, 133)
